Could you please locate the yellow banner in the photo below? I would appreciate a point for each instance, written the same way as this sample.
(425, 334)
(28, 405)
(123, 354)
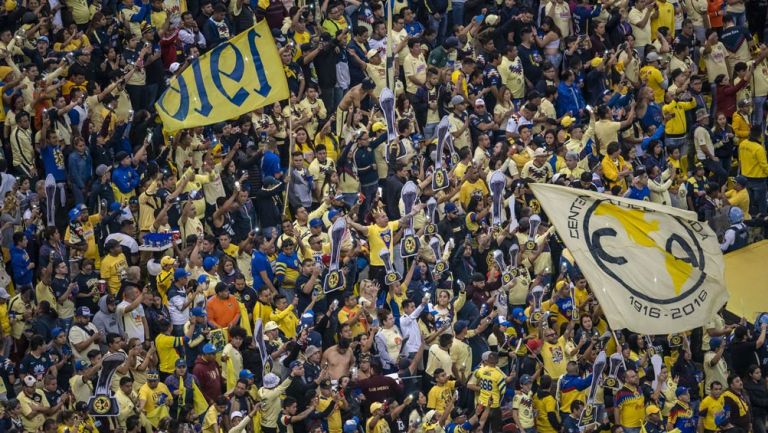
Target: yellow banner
(234, 78)
(743, 268)
(654, 269)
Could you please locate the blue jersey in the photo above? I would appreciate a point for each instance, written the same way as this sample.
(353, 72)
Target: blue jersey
(53, 161)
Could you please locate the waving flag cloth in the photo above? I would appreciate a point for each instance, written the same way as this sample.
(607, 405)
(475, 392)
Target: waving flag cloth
(654, 269)
(234, 78)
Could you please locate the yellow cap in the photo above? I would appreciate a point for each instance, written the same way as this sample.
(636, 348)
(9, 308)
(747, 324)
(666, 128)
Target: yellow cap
(4, 71)
(652, 409)
(596, 61)
(378, 127)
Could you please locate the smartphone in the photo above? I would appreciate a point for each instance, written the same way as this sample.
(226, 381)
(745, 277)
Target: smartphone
(480, 18)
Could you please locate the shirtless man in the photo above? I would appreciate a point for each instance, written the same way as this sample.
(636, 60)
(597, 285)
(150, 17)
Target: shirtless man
(352, 99)
(338, 359)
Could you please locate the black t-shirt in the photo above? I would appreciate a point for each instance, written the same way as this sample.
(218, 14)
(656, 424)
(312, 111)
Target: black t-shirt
(59, 286)
(743, 355)
(35, 366)
(247, 296)
(85, 284)
(530, 58)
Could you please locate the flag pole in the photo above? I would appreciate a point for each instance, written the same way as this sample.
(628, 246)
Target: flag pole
(390, 54)
(286, 209)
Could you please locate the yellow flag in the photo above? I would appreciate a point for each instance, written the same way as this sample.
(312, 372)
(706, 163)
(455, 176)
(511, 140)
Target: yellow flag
(199, 404)
(654, 269)
(232, 79)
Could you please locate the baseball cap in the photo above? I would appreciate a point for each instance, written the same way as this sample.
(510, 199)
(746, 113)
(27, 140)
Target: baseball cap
(30, 381)
(180, 273)
(311, 350)
(270, 326)
(174, 67)
(181, 362)
(209, 349)
(460, 325)
(167, 260)
(246, 374)
(73, 214)
(55, 332)
(83, 312)
(236, 414)
(378, 127)
(376, 406)
(209, 262)
(450, 207)
(350, 426)
(153, 375)
(715, 343)
(533, 344)
(653, 56)
(526, 379)
(458, 99)
(121, 155)
(295, 364)
(316, 222)
(652, 409)
(101, 169)
(451, 42)
(519, 314)
(741, 180)
(198, 312)
(680, 391)
(81, 365)
(271, 380)
(479, 102)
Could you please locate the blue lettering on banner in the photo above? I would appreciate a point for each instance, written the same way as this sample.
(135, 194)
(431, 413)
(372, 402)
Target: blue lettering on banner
(215, 72)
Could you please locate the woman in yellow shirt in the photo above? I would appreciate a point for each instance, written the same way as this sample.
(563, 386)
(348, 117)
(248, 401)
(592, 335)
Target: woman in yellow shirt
(615, 169)
(70, 39)
(545, 407)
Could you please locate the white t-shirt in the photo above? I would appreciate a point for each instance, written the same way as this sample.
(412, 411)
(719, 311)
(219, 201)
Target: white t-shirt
(515, 122)
(131, 322)
(77, 335)
(125, 241)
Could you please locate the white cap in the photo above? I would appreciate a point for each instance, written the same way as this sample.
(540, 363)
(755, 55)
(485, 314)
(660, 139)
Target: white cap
(30, 380)
(236, 414)
(174, 67)
(271, 380)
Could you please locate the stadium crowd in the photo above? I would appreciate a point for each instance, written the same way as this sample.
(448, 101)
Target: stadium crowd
(200, 255)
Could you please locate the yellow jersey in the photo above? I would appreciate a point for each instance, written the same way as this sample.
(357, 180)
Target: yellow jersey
(708, 409)
(554, 357)
(543, 406)
(380, 238)
(167, 351)
(440, 394)
(333, 420)
(493, 384)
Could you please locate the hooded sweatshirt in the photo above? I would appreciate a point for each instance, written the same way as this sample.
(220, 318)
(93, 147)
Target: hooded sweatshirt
(105, 321)
(207, 372)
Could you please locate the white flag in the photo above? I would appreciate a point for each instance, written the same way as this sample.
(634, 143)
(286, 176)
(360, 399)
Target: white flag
(653, 268)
